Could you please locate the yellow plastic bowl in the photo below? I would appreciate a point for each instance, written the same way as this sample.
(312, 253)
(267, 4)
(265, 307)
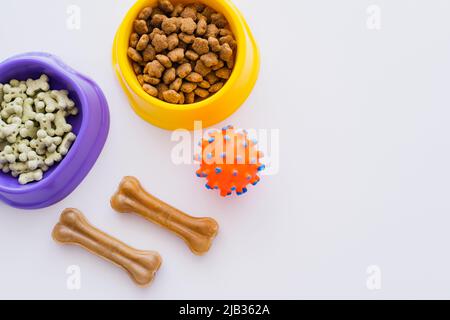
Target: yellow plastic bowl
(211, 110)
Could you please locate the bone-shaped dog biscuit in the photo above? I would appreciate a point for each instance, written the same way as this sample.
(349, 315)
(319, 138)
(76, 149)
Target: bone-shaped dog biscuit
(14, 107)
(14, 90)
(51, 105)
(73, 228)
(61, 125)
(62, 98)
(28, 130)
(35, 175)
(28, 113)
(198, 233)
(66, 143)
(40, 84)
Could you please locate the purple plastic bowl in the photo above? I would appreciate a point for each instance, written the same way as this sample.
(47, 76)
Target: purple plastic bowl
(91, 126)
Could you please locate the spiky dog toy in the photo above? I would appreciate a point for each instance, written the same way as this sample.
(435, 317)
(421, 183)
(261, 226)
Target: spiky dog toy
(229, 161)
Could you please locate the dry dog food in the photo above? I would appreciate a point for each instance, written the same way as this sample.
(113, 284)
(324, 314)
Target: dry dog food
(182, 53)
(198, 233)
(73, 228)
(34, 133)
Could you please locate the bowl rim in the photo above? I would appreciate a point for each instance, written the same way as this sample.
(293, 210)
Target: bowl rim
(64, 72)
(236, 23)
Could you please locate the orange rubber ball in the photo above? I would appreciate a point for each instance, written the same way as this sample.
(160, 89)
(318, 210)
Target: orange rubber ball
(229, 161)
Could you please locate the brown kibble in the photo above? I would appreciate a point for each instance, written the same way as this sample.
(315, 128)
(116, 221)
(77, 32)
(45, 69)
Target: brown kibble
(177, 10)
(140, 79)
(200, 46)
(137, 68)
(182, 98)
(208, 12)
(189, 12)
(151, 90)
(143, 42)
(188, 87)
(151, 80)
(134, 55)
(218, 66)
(216, 87)
(176, 85)
(155, 31)
(157, 20)
(188, 51)
(211, 78)
(226, 39)
(164, 60)
(154, 69)
(192, 55)
(169, 76)
(230, 64)
(184, 70)
(160, 42)
(225, 32)
(219, 20)
(186, 38)
(204, 84)
(199, 6)
(210, 59)
(201, 17)
(202, 93)
(171, 96)
(172, 41)
(188, 26)
(201, 26)
(211, 31)
(214, 44)
(176, 55)
(189, 98)
(169, 25)
(145, 13)
(201, 68)
(226, 53)
(230, 40)
(149, 53)
(140, 26)
(223, 73)
(156, 11)
(134, 39)
(166, 6)
(161, 89)
(194, 77)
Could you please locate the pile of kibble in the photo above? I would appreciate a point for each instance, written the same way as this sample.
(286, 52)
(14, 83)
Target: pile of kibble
(34, 133)
(182, 53)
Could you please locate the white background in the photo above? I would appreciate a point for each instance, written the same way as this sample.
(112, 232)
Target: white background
(364, 161)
